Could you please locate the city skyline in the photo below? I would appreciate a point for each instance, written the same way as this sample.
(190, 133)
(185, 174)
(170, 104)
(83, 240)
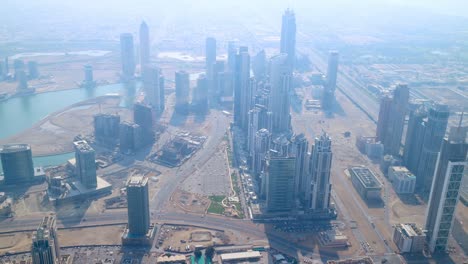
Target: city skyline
(181, 141)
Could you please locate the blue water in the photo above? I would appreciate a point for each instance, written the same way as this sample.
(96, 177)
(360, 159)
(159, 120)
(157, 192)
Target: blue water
(20, 113)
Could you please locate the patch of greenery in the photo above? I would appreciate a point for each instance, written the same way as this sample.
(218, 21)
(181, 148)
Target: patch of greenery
(216, 206)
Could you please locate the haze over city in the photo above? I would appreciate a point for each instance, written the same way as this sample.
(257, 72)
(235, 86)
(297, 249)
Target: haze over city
(227, 131)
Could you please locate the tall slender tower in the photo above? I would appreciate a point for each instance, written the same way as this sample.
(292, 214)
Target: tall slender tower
(301, 148)
(384, 112)
(241, 87)
(127, 55)
(182, 91)
(280, 183)
(144, 44)
(138, 205)
(288, 37)
(328, 97)
(434, 133)
(320, 168)
(85, 163)
(151, 85)
(445, 192)
(396, 120)
(414, 140)
(280, 81)
(45, 248)
(210, 53)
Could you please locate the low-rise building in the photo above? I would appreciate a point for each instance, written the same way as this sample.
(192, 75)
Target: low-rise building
(409, 238)
(402, 179)
(365, 182)
(240, 256)
(362, 260)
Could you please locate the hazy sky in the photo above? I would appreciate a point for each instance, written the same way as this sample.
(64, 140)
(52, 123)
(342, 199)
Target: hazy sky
(454, 7)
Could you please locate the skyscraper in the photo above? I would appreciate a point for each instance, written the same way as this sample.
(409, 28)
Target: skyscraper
(445, 192)
(130, 137)
(280, 81)
(45, 248)
(280, 183)
(127, 54)
(138, 205)
(259, 118)
(144, 44)
(288, 37)
(434, 133)
(106, 128)
(217, 82)
(88, 76)
(210, 53)
(151, 85)
(200, 94)
(328, 98)
(262, 145)
(259, 66)
(33, 70)
(182, 91)
(22, 80)
(143, 117)
(414, 136)
(17, 163)
(301, 148)
(318, 194)
(85, 164)
(382, 123)
(241, 88)
(162, 92)
(396, 120)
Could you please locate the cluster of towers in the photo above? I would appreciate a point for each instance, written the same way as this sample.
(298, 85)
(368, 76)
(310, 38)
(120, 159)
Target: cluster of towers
(438, 161)
(288, 176)
(22, 72)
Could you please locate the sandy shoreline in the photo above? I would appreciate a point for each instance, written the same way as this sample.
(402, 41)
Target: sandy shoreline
(54, 134)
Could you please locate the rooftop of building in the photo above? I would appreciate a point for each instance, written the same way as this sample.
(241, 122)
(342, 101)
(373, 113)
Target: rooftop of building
(240, 255)
(137, 181)
(106, 115)
(363, 260)
(366, 176)
(409, 230)
(83, 146)
(402, 172)
(10, 148)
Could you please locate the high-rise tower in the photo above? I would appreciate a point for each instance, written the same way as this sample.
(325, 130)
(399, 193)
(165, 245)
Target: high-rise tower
(280, 183)
(288, 37)
(280, 82)
(45, 248)
(85, 163)
(318, 194)
(127, 55)
(182, 91)
(17, 163)
(300, 148)
(210, 54)
(445, 192)
(151, 85)
(414, 136)
(138, 205)
(434, 133)
(241, 87)
(328, 98)
(140, 231)
(144, 45)
(394, 121)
